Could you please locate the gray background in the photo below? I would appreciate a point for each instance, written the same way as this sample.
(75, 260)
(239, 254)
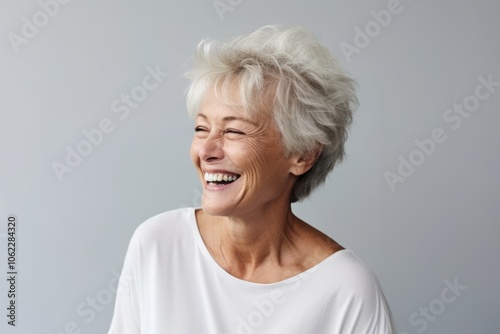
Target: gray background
(438, 226)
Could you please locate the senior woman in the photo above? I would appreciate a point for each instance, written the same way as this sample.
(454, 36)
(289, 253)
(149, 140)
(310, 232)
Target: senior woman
(271, 111)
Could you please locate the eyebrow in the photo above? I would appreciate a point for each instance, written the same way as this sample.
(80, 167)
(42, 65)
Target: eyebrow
(229, 119)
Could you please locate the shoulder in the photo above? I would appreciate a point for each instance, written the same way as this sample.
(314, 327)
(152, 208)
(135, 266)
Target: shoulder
(351, 273)
(355, 296)
(349, 278)
(167, 225)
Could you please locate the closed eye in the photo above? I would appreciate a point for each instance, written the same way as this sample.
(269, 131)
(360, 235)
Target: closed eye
(234, 131)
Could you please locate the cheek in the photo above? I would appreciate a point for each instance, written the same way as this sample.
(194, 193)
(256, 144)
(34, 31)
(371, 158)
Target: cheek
(255, 158)
(193, 151)
(247, 154)
(267, 162)
(264, 154)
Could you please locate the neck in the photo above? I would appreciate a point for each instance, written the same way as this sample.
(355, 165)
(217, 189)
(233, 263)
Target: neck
(248, 245)
(260, 238)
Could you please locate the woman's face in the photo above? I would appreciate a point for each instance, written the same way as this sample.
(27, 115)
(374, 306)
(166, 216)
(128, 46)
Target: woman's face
(240, 161)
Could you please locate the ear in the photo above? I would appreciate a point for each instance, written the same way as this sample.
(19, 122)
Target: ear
(302, 164)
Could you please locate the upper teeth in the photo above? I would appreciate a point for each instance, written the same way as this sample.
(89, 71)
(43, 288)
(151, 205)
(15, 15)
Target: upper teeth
(219, 177)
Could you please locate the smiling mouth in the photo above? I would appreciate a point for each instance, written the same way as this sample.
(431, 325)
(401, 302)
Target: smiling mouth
(221, 178)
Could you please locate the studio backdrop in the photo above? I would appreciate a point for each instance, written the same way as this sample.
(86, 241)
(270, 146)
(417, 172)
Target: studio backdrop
(94, 139)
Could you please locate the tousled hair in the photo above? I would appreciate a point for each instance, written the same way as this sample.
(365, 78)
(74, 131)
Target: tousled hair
(286, 72)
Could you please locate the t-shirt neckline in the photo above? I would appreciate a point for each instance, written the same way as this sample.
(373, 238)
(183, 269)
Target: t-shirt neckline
(222, 272)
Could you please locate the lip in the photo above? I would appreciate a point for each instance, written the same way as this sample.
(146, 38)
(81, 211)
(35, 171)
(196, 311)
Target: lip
(219, 187)
(213, 187)
(218, 171)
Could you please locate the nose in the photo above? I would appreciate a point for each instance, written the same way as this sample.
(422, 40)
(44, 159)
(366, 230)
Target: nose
(211, 148)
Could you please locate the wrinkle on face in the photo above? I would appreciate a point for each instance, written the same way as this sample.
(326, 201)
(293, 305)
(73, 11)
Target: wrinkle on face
(258, 153)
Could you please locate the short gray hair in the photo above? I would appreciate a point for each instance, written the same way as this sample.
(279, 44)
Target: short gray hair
(284, 70)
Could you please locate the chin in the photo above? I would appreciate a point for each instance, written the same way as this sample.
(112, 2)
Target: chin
(215, 210)
(212, 208)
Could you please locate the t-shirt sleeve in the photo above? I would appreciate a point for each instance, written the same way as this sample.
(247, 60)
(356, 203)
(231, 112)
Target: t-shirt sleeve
(358, 305)
(370, 313)
(126, 316)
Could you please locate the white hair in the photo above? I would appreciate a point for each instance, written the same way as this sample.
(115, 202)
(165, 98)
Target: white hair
(286, 72)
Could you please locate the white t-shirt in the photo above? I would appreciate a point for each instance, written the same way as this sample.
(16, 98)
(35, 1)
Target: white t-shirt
(170, 284)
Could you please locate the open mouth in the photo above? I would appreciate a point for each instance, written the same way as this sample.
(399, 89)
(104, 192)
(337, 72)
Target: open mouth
(221, 178)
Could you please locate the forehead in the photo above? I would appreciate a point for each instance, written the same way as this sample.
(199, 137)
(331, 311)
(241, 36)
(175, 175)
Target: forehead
(213, 107)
